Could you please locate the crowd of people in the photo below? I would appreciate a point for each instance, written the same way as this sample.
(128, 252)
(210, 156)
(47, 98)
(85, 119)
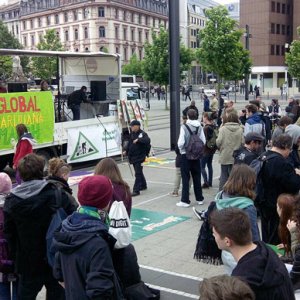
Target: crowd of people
(259, 179)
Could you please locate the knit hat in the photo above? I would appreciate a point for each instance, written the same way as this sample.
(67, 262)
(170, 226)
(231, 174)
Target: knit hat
(5, 183)
(95, 191)
(135, 122)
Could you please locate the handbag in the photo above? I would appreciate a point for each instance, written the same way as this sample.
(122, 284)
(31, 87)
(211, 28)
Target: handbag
(120, 227)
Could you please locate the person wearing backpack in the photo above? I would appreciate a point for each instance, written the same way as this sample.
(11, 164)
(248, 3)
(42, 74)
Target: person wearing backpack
(6, 264)
(230, 138)
(210, 132)
(28, 212)
(138, 149)
(191, 143)
(84, 259)
(278, 176)
(250, 151)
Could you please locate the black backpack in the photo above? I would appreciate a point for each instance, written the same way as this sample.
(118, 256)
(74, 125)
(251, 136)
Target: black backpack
(195, 147)
(257, 165)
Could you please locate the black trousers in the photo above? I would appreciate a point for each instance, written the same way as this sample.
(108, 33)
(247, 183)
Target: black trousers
(76, 112)
(29, 287)
(269, 225)
(188, 168)
(140, 181)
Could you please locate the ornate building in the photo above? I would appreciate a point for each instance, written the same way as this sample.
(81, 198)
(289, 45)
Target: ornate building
(93, 25)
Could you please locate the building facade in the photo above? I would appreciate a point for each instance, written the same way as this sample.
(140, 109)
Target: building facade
(116, 26)
(272, 27)
(192, 20)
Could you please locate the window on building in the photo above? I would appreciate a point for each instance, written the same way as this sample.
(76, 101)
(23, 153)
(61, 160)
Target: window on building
(25, 41)
(277, 50)
(101, 12)
(85, 13)
(272, 28)
(125, 54)
(132, 50)
(76, 34)
(277, 28)
(56, 19)
(273, 6)
(31, 24)
(24, 25)
(66, 17)
(75, 15)
(283, 29)
(17, 29)
(125, 34)
(283, 50)
(283, 10)
(140, 19)
(146, 20)
(141, 54)
(57, 34)
(117, 50)
(272, 50)
(66, 35)
(288, 9)
(288, 30)
(124, 15)
(140, 36)
(101, 31)
(147, 36)
(32, 40)
(86, 33)
(86, 49)
(278, 7)
(39, 22)
(117, 14)
(40, 38)
(116, 32)
(132, 18)
(153, 22)
(132, 35)
(48, 20)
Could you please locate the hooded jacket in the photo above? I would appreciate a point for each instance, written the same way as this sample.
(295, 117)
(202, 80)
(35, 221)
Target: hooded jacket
(293, 131)
(184, 135)
(27, 214)
(265, 273)
(255, 124)
(23, 147)
(224, 201)
(84, 261)
(230, 138)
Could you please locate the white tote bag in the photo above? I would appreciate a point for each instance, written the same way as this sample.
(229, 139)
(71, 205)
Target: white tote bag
(120, 227)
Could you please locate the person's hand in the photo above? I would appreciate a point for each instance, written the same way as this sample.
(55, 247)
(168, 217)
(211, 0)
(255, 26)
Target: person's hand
(291, 225)
(14, 167)
(297, 171)
(135, 141)
(62, 284)
(124, 153)
(280, 246)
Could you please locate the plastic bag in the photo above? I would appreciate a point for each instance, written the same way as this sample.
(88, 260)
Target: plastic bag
(120, 227)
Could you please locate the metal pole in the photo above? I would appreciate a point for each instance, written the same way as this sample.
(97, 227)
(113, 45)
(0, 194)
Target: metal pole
(174, 72)
(247, 75)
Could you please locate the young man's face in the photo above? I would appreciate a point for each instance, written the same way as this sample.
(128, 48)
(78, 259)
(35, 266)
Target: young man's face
(255, 145)
(135, 128)
(221, 242)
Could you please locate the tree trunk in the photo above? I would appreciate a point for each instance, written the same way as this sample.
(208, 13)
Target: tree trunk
(235, 91)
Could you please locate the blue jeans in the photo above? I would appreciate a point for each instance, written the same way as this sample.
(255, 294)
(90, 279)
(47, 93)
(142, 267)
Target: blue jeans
(207, 161)
(5, 290)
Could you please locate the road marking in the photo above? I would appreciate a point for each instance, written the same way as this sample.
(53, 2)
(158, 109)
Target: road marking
(171, 273)
(150, 200)
(176, 292)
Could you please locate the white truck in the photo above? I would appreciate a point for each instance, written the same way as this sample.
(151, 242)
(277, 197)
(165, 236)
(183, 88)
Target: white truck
(97, 134)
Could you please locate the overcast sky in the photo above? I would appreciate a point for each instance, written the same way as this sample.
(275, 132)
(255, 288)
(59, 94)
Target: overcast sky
(3, 2)
(225, 1)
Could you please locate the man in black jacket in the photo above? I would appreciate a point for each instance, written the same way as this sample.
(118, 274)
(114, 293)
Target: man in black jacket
(257, 264)
(191, 106)
(278, 177)
(74, 101)
(27, 215)
(137, 150)
(250, 151)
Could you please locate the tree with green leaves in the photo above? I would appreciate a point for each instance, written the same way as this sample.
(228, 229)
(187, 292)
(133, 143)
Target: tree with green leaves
(156, 60)
(8, 41)
(221, 50)
(46, 67)
(134, 67)
(292, 58)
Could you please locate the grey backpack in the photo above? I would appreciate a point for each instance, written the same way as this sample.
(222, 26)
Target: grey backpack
(195, 147)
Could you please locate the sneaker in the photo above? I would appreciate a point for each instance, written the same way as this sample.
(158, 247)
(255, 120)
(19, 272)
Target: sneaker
(174, 194)
(182, 204)
(197, 214)
(200, 202)
(205, 185)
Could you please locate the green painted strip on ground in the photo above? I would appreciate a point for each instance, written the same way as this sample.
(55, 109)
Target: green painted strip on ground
(146, 222)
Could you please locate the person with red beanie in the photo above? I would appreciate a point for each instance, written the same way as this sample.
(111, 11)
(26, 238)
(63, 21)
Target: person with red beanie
(84, 262)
